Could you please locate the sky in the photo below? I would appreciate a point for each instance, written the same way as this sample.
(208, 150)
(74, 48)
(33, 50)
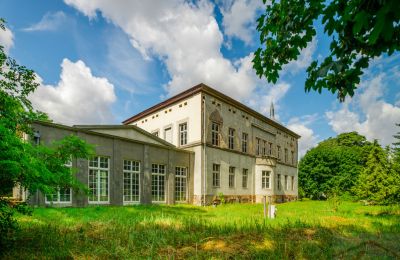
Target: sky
(100, 62)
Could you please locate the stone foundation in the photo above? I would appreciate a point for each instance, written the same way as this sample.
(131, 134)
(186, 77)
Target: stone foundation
(277, 198)
(213, 199)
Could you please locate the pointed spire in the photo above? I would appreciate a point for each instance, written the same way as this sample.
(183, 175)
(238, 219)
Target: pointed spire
(272, 111)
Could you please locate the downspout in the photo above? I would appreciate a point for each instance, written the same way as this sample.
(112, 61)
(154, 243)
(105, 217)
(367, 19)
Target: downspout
(204, 151)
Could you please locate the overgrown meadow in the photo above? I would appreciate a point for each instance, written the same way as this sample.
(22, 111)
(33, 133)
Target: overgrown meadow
(302, 230)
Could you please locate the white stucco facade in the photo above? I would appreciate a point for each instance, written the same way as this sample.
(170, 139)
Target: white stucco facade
(270, 150)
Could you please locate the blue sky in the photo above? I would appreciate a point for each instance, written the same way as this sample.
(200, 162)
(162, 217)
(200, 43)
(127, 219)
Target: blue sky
(101, 62)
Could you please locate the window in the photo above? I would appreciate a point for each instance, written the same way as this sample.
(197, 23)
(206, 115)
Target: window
(36, 138)
(215, 133)
(131, 181)
(279, 182)
(231, 177)
(265, 146)
(62, 195)
(286, 155)
(292, 182)
(258, 146)
(286, 183)
(183, 134)
(158, 182)
(265, 179)
(279, 152)
(168, 134)
(99, 168)
(293, 161)
(180, 184)
(244, 178)
(244, 142)
(231, 138)
(270, 148)
(216, 175)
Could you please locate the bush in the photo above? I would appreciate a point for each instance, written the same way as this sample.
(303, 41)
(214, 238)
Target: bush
(8, 224)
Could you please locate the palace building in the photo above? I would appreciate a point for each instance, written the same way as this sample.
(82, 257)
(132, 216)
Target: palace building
(195, 147)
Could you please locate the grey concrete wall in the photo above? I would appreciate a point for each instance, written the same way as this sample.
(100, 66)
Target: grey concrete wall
(117, 150)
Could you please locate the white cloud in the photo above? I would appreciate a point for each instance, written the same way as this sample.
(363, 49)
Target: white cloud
(265, 95)
(301, 126)
(308, 138)
(367, 113)
(303, 61)
(49, 22)
(6, 39)
(184, 35)
(239, 18)
(78, 98)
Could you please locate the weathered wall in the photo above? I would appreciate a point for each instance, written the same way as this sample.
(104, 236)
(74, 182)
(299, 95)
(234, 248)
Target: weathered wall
(117, 150)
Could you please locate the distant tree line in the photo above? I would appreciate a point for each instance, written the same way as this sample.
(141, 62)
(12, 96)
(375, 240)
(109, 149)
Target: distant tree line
(351, 167)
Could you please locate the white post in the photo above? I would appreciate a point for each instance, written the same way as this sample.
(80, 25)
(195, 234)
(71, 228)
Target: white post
(265, 206)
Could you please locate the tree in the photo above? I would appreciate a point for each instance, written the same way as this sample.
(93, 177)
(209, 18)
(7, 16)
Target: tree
(34, 167)
(333, 165)
(360, 30)
(376, 182)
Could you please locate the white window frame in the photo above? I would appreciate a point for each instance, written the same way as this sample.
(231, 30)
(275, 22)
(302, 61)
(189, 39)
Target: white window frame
(286, 182)
(231, 138)
(258, 146)
(58, 201)
(245, 137)
(279, 181)
(292, 183)
(181, 178)
(165, 134)
(245, 178)
(98, 169)
(159, 175)
(266, 179)
(215, 129)
(133, 169)
(183, 133)
(216, 175)
(231, 178)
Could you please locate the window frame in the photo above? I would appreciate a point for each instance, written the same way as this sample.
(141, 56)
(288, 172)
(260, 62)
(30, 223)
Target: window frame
(231, 138)
(286, 155)
(215, 130)
(98, 169)
(231, 177)
(292, 184)
(279, 182)
(131, 172)
(158, 174)
(265, 179)
(245, 178)
(58, 201)
(245, 137)
(258, 146)
(216, 175)
(181, 178)
(183, 133)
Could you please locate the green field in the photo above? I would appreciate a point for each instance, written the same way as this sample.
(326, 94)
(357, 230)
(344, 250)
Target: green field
(302, 230)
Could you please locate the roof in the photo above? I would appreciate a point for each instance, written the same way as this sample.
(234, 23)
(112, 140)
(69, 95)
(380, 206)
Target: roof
(82, 129)
(206, 89)
(133, 127)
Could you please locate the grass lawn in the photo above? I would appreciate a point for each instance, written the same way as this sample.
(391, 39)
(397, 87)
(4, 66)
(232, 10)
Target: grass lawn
(302, 230)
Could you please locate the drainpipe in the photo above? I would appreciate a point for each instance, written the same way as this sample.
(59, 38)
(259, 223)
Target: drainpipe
(204, 152)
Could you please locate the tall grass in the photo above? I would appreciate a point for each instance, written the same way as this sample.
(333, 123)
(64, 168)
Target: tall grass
(308, 230)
